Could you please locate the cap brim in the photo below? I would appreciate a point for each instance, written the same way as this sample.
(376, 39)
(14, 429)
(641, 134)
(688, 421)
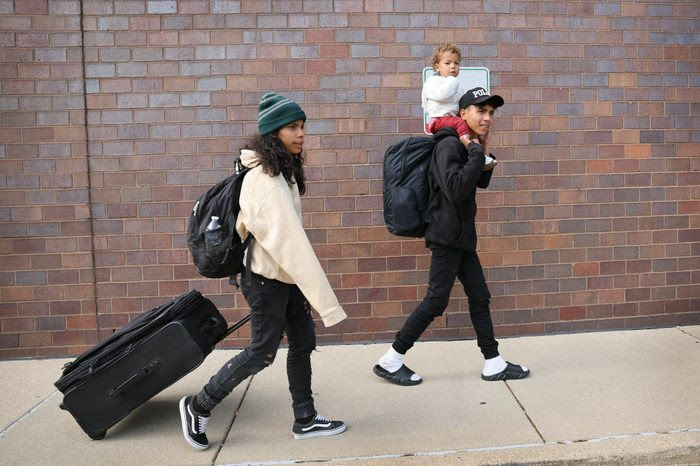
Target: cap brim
(495, 100)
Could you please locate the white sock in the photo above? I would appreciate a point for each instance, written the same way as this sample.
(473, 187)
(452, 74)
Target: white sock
(494, 366)
(392, 361)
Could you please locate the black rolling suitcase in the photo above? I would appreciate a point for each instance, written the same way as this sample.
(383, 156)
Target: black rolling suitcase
(107, 382)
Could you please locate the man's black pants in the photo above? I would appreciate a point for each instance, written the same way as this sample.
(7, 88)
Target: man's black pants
(275, 308)
(445, 265)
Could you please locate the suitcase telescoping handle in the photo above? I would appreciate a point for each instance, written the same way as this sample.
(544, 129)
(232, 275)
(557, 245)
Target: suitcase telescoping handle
(234, 327)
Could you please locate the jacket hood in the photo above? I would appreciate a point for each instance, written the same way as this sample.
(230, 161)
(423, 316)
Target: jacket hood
(249, 158)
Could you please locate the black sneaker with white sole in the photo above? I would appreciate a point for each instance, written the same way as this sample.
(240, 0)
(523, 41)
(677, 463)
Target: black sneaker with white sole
(194, 424)
(318, 426)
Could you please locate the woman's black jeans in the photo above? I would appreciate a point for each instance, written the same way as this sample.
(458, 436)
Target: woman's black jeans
(445, 265)
(275, 308)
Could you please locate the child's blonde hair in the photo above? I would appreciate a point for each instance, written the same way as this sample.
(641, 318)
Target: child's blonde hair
(437, 54)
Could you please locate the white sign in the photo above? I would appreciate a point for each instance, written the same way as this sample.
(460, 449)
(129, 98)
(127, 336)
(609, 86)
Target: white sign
(468, 77)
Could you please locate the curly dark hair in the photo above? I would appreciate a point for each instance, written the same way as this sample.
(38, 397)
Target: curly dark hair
(275, 159)
(437, 54)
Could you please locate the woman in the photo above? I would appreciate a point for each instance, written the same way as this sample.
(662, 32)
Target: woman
(285, 273)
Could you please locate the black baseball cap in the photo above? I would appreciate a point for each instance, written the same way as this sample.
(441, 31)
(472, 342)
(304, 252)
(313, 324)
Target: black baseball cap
(479, 96)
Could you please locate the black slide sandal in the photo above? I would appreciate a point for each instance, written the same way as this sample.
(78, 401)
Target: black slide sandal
(400, 377)
(511, 372)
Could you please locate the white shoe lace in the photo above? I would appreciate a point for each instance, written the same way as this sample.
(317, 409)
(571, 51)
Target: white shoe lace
(320, 418)
(202, 424)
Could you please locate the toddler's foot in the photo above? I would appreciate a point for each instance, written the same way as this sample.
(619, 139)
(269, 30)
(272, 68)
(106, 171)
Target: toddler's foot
(490, 163)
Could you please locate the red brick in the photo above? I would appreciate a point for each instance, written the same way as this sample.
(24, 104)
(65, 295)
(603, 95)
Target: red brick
(70, 338)
(174, 84)
(573, 313)
(31, 7)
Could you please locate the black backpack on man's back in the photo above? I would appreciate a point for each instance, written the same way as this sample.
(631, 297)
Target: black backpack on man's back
(215, 245)
(405, 186)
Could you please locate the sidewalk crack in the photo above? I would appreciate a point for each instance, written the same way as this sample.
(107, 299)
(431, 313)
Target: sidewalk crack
(233, 419)
(525, 412)
(688, 333)
(31, 411)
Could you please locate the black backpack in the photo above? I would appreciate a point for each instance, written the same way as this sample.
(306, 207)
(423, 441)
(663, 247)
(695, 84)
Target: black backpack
(218, 253)
(405, 187)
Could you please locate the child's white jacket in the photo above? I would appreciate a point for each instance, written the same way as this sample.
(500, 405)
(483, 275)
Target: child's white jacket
(440, 96)
(271, 212)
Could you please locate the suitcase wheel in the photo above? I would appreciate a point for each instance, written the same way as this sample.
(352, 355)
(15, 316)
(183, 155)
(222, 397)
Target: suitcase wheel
(99, 436)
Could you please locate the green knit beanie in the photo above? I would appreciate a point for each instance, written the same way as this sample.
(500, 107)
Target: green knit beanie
(275, 111)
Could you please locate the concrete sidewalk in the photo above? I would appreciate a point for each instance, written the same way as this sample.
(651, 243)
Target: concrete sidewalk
(625, 397)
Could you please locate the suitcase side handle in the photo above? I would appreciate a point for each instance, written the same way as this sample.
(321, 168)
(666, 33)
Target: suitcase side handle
(144, 372)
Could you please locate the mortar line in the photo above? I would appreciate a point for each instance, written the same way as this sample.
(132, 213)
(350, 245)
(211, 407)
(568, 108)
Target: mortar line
(89, 173)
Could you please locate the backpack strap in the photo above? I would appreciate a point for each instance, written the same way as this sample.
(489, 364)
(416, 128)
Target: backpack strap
(249, 259)
(435, 188)
(249, 256)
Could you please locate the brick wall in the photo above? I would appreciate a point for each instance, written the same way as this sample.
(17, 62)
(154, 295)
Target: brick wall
(47, 300)
(116, 115)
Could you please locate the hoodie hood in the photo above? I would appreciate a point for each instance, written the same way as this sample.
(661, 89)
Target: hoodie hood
(249, 158)
(444, 132)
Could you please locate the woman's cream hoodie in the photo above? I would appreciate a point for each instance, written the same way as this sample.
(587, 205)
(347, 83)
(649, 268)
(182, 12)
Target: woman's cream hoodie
(271, 212)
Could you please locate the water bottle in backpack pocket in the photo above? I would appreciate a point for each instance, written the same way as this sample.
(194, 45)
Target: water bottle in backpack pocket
(213, 235)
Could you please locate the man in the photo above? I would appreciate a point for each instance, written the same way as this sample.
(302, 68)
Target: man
(454, 174)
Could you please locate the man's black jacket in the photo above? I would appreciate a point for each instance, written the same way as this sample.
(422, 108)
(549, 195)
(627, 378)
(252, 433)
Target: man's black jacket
(455, 173)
